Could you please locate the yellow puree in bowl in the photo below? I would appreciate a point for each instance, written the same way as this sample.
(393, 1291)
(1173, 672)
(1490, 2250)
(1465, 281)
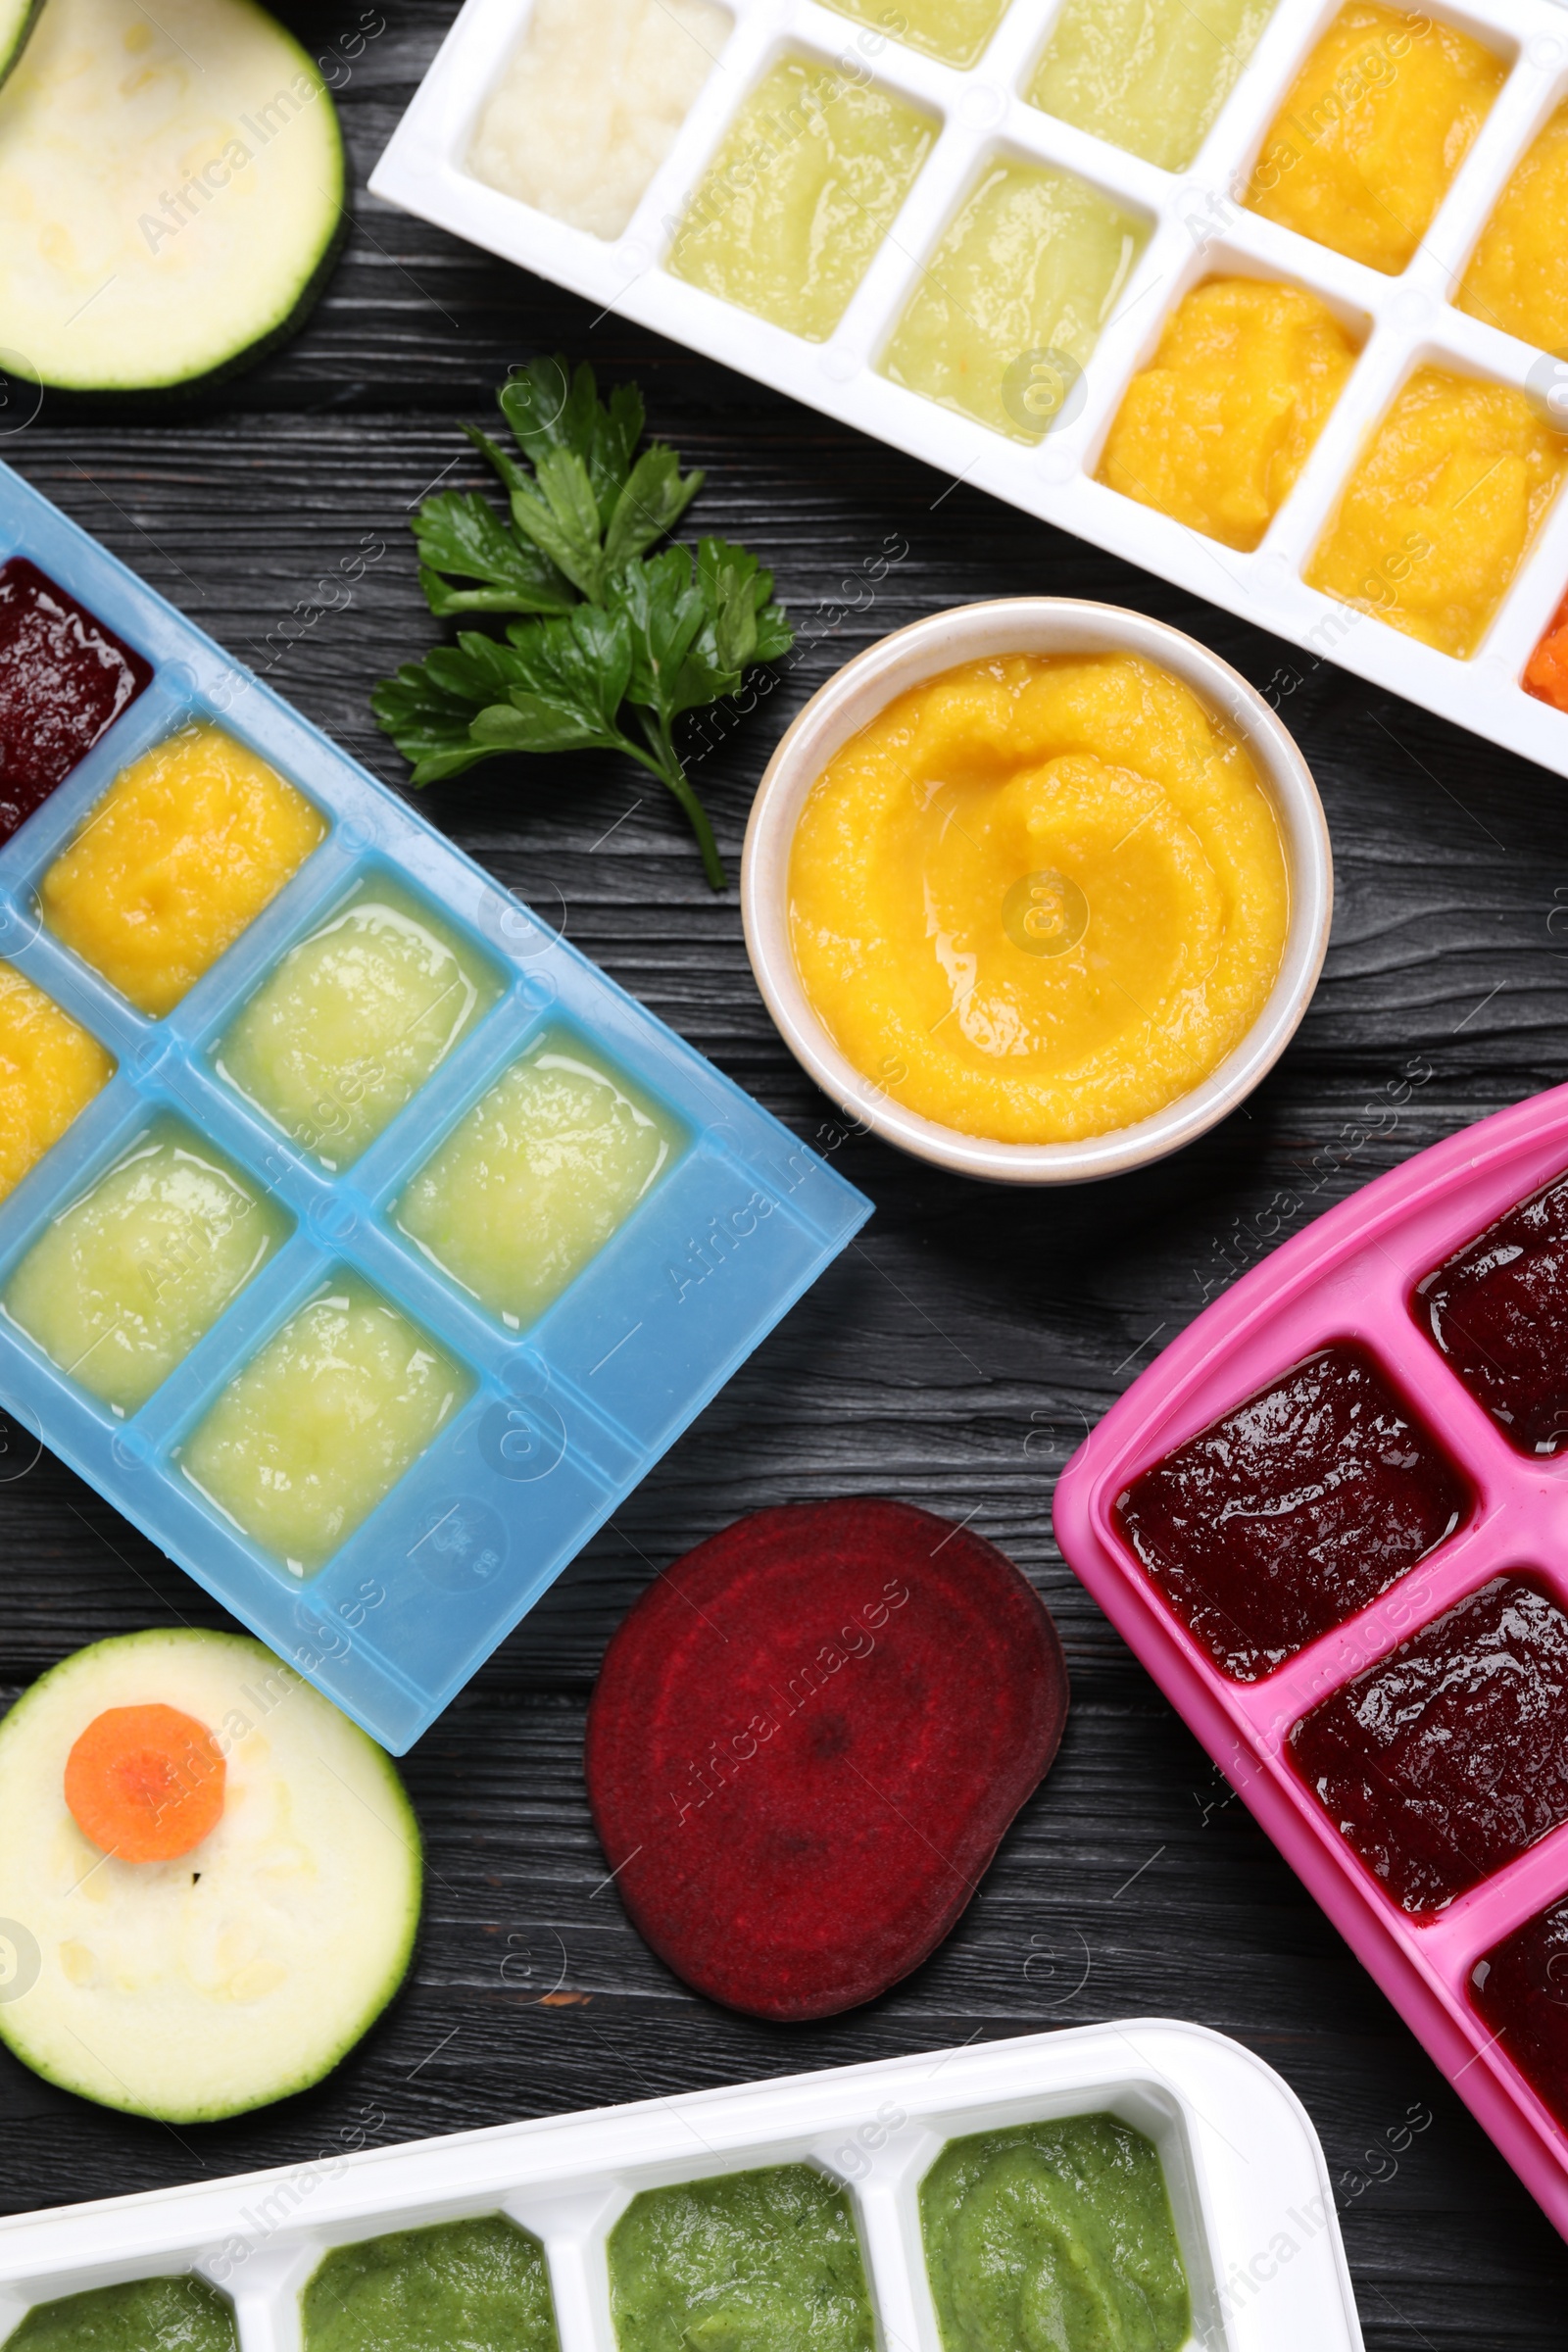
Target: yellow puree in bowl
(1038, 898)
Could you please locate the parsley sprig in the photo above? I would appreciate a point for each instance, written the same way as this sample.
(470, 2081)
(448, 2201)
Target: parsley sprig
(617, 641)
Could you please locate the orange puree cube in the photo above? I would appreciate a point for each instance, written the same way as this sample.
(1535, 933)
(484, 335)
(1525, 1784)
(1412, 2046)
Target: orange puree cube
(1547, 670)
(50, 1070)
(1439, 514)
(1218, 426)
(183, 851)
(1518, 274)
(1376, 125)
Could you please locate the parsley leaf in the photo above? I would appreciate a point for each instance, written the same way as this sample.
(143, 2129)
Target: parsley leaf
(565, 682)
(428, 722)
(654, 497)
(662, 612)
(618, 642)
(460, 532)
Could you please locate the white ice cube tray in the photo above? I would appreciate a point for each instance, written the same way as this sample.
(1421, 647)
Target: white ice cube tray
(1199, 230)
(1248, 2190)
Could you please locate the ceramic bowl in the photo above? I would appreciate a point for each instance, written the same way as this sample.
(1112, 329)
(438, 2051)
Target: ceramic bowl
(1030, 625)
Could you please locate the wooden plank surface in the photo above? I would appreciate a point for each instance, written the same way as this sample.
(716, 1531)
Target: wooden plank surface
(955, 1356)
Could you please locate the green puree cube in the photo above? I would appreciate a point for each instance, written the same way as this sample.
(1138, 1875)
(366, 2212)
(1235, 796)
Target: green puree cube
(1146, 75)
(1008, 308)
(1055, 2233)
(320, 1425)
(143, 2315)
(955, 30)
(768, 2260)
(479, 2286)
(806, 182)
(355, 1019)
(120, 1286)
(534, 1181)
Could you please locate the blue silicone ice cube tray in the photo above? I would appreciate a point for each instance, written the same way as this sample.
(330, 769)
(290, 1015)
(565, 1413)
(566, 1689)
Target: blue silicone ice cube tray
(565, 1416)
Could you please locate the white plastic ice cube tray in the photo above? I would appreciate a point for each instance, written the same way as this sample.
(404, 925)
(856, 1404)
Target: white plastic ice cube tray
(565, 1417)
(1199, 230)
(1248, 2187)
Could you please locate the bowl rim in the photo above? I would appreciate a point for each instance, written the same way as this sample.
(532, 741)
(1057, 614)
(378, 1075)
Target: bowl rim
(853, 697)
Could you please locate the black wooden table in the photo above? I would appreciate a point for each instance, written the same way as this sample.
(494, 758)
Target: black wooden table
(955, 1356)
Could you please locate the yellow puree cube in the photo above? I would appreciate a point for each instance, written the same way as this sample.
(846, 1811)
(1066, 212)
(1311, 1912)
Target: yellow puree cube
(1438, 517)
(1379, 118)
(1217, 427)
(183, 851)
(50, 1070)
(1518, 274)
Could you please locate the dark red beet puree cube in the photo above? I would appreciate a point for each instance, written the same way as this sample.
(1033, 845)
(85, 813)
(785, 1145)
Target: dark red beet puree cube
(1277, 1523)
(807, 1742)
(1499, 1313)
(1520, 1988)
(63, 680)
(1448, 1759)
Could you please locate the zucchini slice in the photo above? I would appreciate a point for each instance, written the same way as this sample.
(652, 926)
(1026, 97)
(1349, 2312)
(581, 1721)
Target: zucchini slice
(16, 19)
(172, 191)
(244, 1968)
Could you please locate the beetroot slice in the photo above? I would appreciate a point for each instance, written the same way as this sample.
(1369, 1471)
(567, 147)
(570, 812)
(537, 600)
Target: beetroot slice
(807, 1740)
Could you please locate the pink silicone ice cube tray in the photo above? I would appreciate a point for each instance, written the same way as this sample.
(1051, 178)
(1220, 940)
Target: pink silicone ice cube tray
(1351, 1276)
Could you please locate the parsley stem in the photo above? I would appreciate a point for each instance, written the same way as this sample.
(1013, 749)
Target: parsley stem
(664, 761)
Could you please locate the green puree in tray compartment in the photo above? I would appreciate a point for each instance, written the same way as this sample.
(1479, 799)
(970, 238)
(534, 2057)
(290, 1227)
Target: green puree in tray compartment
(118, 1289)
(766, 2261)
(1003, 318)
(1054, 2238)
(955, 30)
(532, 1184)
(355, 1019)
(304, 1442)
(805, 185)
(1149, 75)
(465, 2286)
(145, 2315)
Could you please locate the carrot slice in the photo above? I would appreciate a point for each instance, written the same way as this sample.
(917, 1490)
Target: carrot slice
(1547, 671)
(145, 1782)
